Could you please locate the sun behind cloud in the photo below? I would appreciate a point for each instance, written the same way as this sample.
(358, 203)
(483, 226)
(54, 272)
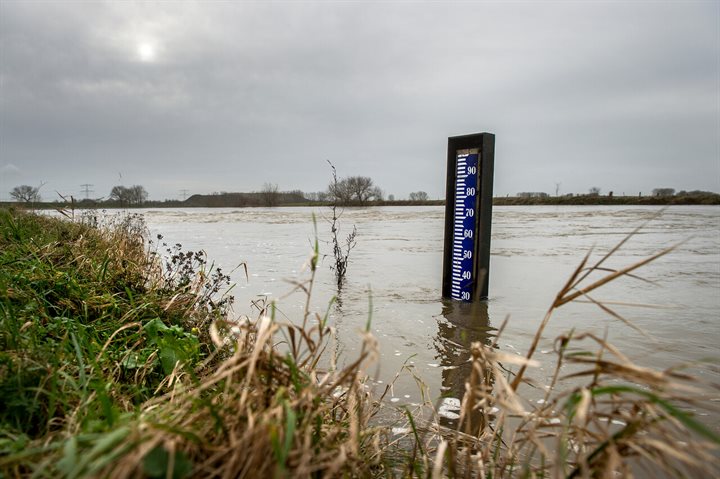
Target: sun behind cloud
(146, 51)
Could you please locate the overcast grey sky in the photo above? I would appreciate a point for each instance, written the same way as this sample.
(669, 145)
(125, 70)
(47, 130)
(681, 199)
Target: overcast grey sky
(226, 96)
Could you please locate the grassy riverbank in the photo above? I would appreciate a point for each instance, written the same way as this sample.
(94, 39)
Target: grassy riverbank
(121, 358)
(115, 363)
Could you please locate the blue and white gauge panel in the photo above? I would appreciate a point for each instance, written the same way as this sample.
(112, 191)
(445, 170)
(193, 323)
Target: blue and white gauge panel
(464, 226)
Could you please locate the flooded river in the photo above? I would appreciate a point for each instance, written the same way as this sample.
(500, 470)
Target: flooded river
(398, 261)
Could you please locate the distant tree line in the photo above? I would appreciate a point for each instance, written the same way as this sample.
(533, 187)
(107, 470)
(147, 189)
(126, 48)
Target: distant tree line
(659, 196)
(595, 191)
(348, 191)
(358, 191)
(269, 197)
(532, 194)
(663, 192)
(135, 195)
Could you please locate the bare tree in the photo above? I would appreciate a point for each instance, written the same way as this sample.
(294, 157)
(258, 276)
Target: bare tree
(594, 191)
(418, 196)
(26, 193)
(339, 192)
(361, 188)
(269, 194)
(118, 193)
(128, 196)
(341, 251)
(138, 194)
(358, 189)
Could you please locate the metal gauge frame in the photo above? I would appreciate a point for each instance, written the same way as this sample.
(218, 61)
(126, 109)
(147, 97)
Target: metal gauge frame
(468, 216)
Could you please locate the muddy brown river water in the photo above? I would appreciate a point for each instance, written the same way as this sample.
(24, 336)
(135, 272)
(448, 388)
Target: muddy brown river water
(398, 262)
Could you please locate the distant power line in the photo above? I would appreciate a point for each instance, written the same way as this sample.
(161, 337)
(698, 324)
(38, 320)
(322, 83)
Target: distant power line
(184, 194)
(86, 189)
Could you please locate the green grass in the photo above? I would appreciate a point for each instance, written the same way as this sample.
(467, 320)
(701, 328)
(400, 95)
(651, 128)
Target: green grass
(90, 325)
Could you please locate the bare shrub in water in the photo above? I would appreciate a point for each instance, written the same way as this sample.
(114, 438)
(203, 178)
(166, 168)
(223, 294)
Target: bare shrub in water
(341, 250)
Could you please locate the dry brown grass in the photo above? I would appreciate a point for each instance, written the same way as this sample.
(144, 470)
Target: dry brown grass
(261, 414)
(601, 415)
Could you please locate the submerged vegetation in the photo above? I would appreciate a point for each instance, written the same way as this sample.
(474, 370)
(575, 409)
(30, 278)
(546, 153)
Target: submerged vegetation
(121, 357)
(341, 249)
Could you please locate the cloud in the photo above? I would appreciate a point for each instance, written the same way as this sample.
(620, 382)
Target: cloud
(10, 170)
(237, 95)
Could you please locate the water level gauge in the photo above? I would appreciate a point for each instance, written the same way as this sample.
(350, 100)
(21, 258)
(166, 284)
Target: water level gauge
(464, 224)
(468, 212)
